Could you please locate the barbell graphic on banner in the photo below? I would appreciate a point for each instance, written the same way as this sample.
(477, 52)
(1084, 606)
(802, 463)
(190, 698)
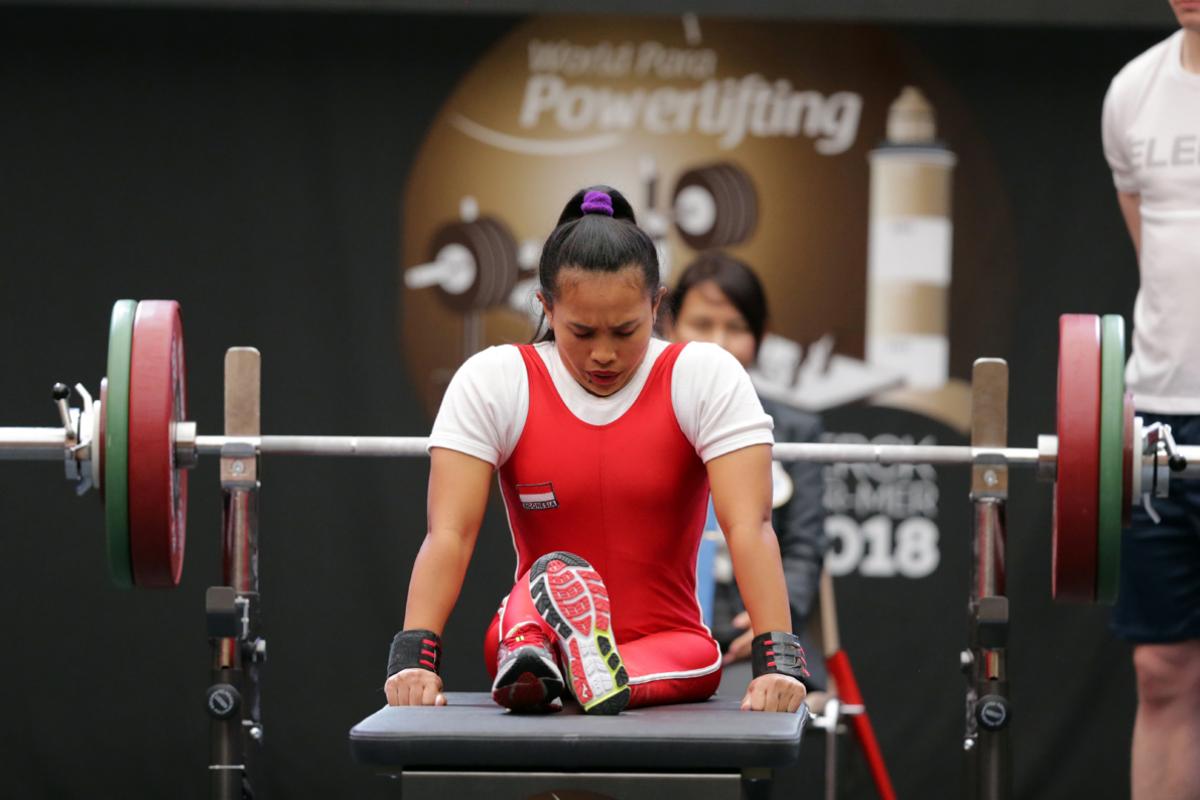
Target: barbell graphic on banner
(475, 262)
(136, 445)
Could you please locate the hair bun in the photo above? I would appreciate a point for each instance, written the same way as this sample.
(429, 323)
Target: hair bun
(597, 203)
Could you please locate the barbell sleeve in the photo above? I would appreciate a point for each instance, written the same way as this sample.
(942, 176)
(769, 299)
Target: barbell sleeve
(32, 444)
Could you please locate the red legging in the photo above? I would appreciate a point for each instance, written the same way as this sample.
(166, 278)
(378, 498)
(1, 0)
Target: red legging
(666, 667)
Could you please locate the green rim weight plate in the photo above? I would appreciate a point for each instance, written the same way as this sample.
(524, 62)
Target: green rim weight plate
(116, 444)
(1112, 457)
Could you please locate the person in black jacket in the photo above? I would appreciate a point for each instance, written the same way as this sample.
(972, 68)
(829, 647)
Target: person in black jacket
(719, 299)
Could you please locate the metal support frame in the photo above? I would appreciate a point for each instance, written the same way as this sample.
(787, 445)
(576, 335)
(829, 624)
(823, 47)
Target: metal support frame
(236, 729)
(831, 721)
(986, 743)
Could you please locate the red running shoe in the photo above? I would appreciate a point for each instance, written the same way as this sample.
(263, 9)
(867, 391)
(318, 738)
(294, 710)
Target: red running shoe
(528, 678)
(571, 598)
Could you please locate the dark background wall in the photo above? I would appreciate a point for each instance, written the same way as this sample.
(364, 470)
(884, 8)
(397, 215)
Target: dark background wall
(251, 166)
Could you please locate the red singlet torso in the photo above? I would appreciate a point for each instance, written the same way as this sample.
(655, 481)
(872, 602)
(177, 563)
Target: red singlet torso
(630, 497)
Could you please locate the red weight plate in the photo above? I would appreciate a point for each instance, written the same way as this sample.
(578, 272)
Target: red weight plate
(1127, 436)
(157, 490)
(1076, 489)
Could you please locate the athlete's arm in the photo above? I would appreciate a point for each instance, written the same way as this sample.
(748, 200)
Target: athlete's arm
(741, 493)
(458, 493)
(741, 490)
(1130, 204)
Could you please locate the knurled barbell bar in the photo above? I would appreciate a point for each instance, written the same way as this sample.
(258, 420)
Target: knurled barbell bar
(136, 444)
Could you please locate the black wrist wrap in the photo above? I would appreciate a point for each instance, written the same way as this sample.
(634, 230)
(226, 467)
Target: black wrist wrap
(415, 649)
(776, 651)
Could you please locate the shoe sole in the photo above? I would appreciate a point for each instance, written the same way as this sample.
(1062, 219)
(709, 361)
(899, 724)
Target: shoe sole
(527, 682)
(571, 597)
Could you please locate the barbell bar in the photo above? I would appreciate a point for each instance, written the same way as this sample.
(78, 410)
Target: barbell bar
(157, 445)
(47, 444)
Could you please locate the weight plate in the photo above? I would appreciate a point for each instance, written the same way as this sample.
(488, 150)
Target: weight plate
(1073, 573)
(504, 246)
(725, 193)
(157, 400)
(497, 260)
(116, 444)
(1129, 497)
(487, 261)
(1112, 456)
(745, 202)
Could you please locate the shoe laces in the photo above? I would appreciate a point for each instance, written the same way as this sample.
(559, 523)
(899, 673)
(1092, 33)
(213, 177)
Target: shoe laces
(526, 634)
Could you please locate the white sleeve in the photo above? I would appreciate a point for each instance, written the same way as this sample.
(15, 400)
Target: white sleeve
(484, 409)
(715, 403)
(1116, 150)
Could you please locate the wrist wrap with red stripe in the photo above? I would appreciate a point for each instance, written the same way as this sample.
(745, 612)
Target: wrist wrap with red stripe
(415, 649)
(776, 651)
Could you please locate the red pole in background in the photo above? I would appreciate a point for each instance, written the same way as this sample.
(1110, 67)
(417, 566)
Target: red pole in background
(838, 664)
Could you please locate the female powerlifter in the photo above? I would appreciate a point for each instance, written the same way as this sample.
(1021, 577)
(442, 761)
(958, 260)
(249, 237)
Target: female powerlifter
(607, 443)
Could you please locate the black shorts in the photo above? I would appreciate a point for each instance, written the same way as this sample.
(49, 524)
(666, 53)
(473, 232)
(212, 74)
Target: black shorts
(1159, 595)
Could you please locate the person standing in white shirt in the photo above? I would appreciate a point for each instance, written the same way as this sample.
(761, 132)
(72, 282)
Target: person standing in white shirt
(1151, 134)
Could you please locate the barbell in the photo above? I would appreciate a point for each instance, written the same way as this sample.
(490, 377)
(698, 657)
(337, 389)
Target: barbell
(135, 445)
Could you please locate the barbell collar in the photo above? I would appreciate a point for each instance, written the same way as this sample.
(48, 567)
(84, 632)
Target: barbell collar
(1047, 461)
(185, 444)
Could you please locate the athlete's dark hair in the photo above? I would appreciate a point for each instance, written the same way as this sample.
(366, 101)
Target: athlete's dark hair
(736, 281)
(598, 232)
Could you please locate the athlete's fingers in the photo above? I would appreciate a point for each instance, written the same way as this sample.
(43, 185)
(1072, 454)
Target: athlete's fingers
(786, 698)
(796, 699)
(429, 693)
(747, 698)
(440, 700)
(415, 690)
(777, 700)
(389, 690)
(758, 700)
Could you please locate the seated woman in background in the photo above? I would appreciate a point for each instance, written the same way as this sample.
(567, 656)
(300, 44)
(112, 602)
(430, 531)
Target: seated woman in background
(719, 299)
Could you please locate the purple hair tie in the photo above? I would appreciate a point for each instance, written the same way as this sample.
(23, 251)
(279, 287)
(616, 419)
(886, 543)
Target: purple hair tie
(597, 203)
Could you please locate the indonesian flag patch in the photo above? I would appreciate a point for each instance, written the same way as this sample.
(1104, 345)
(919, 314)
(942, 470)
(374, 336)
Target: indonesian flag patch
(537, 496)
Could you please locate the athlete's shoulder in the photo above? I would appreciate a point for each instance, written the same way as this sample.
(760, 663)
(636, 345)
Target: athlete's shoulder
(496, 364)
(1135, 76)
(707, 359)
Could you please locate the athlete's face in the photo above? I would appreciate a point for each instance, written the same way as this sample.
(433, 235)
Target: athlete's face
(706, 315)
(1187, 12)
(602, 323)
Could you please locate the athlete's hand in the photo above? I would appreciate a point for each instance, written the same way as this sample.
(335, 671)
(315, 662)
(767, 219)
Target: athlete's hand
(739, 648)
(414, 687)
(774, 692)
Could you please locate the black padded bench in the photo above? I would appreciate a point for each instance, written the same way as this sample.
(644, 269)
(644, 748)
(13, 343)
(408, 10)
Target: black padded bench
(474, 748)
